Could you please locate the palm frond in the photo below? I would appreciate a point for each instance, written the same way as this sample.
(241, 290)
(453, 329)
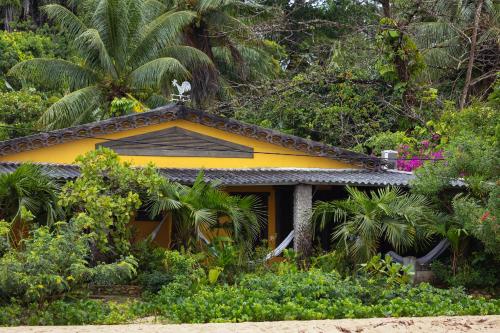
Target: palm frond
(72, 107)
(112, 21)
(210, 5)
(188, 56)
(95, 53)
(221, 22)
(160, 33)
(158, 73)
(55, 73)
(68, 21)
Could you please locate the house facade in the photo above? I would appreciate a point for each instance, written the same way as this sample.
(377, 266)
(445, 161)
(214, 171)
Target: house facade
(287, 172)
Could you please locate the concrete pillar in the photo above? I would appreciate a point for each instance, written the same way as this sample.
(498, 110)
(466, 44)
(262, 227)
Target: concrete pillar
(302, 211)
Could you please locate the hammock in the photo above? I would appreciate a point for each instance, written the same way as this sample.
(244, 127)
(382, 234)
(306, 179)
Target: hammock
(280, 248)
(433, 254)
(157, 229)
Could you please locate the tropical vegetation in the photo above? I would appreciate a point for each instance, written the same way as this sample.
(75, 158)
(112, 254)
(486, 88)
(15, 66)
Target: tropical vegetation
(417, 77)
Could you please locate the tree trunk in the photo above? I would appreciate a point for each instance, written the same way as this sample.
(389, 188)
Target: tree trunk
(386, 7)
(205, 79)
(468, 75)
(302, 211)
(8, 17)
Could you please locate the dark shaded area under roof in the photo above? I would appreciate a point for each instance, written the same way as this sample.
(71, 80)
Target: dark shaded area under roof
(260, 176)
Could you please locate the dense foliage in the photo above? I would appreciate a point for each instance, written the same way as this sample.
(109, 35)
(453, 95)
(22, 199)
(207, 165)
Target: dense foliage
(285, 294)
(418, 77)
(51, 263)
(364, 220)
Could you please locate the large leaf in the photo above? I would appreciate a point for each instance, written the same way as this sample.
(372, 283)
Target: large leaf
(158, 73)
(111, 19)
(72, 108)
(68, 21)
(160, 33)
(95, 53)
(54, 73)
(188, 56)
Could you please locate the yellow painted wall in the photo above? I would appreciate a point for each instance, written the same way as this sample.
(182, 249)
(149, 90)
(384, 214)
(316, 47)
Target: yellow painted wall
(67, 152)
(143, 229)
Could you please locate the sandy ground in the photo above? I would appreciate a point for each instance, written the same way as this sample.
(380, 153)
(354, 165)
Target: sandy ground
(377, 325)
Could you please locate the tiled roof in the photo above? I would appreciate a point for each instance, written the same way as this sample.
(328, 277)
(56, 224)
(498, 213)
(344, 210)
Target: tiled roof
(261, 176)
(175, 112)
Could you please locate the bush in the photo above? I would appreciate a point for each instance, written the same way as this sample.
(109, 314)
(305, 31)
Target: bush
(293, 295)
(60, 312)
(52, 263)
(174, 267)
(23, 45)
(20, 110)
(480, 270)
(311, 295)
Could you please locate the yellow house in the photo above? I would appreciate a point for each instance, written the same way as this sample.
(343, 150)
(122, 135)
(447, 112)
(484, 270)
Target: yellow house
(285, 171)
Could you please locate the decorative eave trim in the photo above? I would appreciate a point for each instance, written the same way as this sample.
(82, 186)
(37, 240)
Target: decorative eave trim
(179, 112)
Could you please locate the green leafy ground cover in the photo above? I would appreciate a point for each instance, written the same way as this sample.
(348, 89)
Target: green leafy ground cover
(283, 293)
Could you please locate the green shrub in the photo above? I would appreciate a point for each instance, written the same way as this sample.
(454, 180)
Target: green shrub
(52, 263)
(173, 267)
(336, 260)
(154, 281)
(20, 110)
(23, 45)
(60, 312)
(386, 270)
(310, 295)
(480, 270)
(294, 295)
(108, 191)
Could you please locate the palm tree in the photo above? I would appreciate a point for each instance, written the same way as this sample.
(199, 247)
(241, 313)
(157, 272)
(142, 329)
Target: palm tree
(122, 54)
(364, 220)
(28, 193)
(445, 37)
(203, 207)
(221, 30)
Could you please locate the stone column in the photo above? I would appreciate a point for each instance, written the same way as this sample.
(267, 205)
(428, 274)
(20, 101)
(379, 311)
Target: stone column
(302, 211)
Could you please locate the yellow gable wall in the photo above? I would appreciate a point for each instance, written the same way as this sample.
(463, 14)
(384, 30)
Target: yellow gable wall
(67, 152)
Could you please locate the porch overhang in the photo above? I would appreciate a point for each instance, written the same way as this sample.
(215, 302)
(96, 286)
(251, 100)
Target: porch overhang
(259, 176)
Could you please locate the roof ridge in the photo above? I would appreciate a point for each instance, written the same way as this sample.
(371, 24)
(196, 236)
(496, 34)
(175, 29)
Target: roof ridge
(177, 111)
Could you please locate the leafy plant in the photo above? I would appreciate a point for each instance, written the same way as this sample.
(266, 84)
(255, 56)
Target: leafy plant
(28, 194)
(365, 219)
(307, 295)
(385, 269)
(222, 31)
(52, 263)
(203, 207)
(108, 191)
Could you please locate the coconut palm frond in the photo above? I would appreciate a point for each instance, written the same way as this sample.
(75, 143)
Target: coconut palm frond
(68, 21)
(228, 24)
(160, 33)
(72, 106)
(210, 5)
(95, 53)
(158, 73)
(112, 21)
(190, 57)
(55, 73)
(152, 8)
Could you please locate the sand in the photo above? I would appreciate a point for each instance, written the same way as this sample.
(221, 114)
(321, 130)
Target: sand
(382, 325)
